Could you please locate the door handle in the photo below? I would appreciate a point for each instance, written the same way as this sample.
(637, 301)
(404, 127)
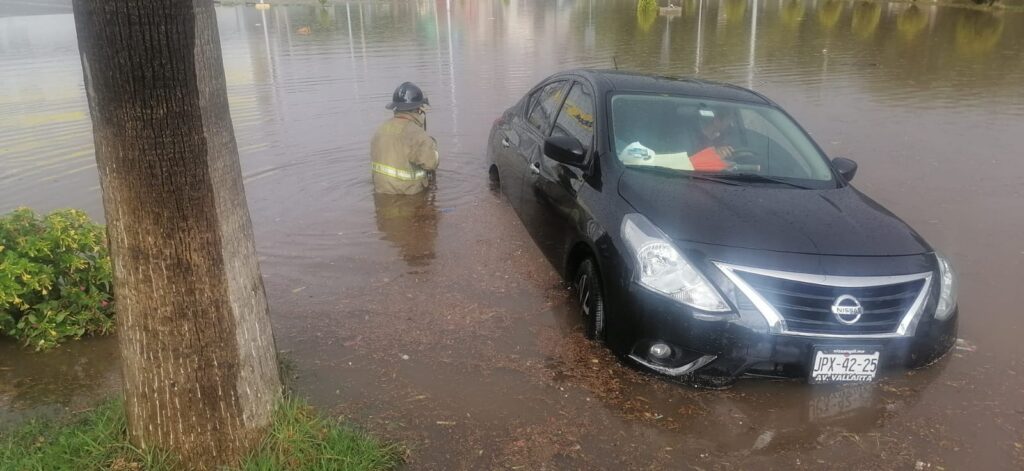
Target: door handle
(505, 143)
(535, 168)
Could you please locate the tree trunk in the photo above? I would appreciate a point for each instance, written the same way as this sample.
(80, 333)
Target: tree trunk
(200, 368)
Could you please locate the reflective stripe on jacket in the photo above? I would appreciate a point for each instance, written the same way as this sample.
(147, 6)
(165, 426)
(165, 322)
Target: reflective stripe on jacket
(398, 173)
(402, 154)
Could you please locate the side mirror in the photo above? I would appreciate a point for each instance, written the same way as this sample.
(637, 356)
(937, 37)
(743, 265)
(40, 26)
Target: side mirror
(846, 167)
(565, 149)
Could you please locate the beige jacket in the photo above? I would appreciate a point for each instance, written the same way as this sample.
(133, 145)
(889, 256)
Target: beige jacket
(402, 153)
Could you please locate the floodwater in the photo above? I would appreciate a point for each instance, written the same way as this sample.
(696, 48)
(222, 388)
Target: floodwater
(437, 321)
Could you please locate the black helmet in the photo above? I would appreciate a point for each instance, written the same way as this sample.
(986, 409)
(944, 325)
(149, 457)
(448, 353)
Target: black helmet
(407, 97)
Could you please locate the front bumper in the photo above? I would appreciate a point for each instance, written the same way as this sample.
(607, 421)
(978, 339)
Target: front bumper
(736, 344)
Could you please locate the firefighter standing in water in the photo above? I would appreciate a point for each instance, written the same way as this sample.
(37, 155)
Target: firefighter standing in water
(403, 155)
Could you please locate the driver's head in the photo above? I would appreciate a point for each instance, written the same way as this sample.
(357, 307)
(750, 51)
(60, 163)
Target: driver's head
(714, 121)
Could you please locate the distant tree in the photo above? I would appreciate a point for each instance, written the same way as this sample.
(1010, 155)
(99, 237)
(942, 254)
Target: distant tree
(199, 364)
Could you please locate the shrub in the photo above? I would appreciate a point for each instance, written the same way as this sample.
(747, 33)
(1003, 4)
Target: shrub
(55, 277)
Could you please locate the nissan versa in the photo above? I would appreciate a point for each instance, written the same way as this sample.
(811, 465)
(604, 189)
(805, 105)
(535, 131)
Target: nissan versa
(708, 237)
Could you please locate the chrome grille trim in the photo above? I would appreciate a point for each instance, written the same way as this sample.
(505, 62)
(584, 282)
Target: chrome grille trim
(776, 322)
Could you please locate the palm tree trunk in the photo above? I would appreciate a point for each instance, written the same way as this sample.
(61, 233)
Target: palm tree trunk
(200, 368)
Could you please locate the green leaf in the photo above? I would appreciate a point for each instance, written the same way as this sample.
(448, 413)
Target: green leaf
(55, 273)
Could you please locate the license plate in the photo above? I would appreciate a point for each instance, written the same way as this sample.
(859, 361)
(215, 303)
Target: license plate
(844, 365)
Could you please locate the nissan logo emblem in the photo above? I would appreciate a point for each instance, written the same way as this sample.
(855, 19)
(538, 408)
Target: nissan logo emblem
(847, 309)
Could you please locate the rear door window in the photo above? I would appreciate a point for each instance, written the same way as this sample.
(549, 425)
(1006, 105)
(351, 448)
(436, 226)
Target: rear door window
(544, 105)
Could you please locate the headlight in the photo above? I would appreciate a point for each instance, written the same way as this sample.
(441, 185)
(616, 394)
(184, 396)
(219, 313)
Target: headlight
(661, 268)
(947, 289)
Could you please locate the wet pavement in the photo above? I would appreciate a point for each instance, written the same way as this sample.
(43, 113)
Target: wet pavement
(439, 323)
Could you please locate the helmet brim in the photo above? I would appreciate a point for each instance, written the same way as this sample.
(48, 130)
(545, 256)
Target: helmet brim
(398, 106)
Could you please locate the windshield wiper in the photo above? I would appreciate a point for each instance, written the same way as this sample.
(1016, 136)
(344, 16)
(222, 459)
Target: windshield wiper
(733, 179)
(753, 177)
(671, 172)
(712, 178)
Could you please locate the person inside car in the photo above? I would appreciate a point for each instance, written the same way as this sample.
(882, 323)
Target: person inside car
(712, 140)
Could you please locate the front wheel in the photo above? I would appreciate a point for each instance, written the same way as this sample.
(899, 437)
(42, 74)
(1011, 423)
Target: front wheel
(591, 298)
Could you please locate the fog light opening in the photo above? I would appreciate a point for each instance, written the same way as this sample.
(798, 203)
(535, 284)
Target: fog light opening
(659, 351)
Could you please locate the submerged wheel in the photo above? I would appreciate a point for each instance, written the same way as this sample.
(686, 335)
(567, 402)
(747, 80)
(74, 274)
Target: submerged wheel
(494, 179)
(591, 298)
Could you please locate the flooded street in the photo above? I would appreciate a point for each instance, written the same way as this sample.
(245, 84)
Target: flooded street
(438, 322)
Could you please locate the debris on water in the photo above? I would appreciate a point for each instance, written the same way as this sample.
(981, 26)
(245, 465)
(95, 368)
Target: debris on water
(353, 342)
(920, 465)
(296, 290)
(405, 357)
(964, 345)
(444, 422)
(764, 439)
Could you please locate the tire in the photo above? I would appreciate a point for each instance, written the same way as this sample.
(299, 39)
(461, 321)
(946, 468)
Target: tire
(590, 295)
(494, 179)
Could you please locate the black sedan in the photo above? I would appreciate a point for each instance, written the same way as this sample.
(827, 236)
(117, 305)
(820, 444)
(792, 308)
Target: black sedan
(707, 236)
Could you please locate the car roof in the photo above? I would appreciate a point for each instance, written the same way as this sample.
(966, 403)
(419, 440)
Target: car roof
(609, 80)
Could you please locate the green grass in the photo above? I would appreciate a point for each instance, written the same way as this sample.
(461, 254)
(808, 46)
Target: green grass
(91, 440)
(298, 439)
(301, 439)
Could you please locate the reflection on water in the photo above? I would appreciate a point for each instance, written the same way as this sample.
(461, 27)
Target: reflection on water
(927, 99)
(792, 12)
(409, 222)
(978, 32)
(646, 14)
(911, 21)
(65, 379)
(734, 10)
(866, 15)
(829, 13)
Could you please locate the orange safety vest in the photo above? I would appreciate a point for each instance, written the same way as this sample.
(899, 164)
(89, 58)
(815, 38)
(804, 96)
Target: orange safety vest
(708, 160)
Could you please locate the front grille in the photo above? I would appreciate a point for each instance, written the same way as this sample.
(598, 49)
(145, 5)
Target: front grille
(807, 307)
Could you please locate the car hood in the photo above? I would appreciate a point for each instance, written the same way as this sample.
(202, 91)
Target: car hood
(839, 221)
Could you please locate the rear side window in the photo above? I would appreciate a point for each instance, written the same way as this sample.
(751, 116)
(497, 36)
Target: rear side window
(544, 105)
(577, 116)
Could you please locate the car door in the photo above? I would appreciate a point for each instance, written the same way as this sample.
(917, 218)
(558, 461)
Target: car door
(549, 195)
(525, 136)
(504, 145)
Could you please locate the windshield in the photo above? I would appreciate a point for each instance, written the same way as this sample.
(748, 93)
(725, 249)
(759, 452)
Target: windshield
(698, 137)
